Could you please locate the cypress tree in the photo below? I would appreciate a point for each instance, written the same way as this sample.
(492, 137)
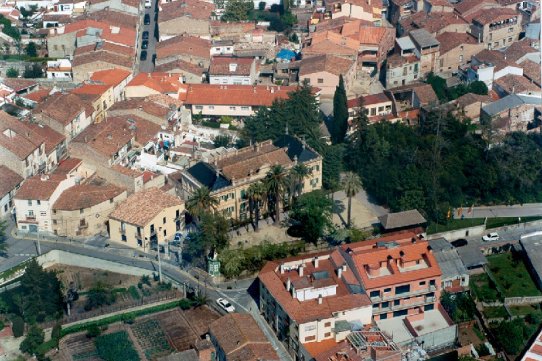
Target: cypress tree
(340, 113)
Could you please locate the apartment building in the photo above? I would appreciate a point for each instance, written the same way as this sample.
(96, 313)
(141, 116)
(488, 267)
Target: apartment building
(35, 198)
(323, 71)
(10, 182)
(402, 70)
(232, 71)
(497, 28)
(456, 51)
(377, 105)
(312, 299)
(147, 219)
(228, 176)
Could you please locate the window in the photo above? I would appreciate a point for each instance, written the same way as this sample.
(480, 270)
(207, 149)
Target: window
(29, 202)
(31, 213)
(177, 213)
(400, 313)
(509, 40)
(402, 289)
(327, 334)
(396, 302)
(164, 220)
(373, 111)
(310, 338)
(320, 81)
(43, 213)
(245, 108)
(374, 294)
(460, 58)
(211, 107)
(376, 306)
(422, 283)
(165, 233)
(461, 48)
(441, 63)
(233, 108)
(386, 290)
(199, 107)
(510, 30)
(405, 70)
(327, 324)
(81, 211)
(39, 202)
(385, 304)
(432, 283)
(383, 316)
(54, 221)
(428, 307)
(123, 238)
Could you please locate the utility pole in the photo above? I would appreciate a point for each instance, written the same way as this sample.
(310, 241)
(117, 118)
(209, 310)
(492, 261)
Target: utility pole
(39, 244)
(159, 265)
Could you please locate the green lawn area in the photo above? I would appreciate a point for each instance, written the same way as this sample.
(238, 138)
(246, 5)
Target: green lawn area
(512, 275)
(524, 310)
(495, 312)
(483, 288)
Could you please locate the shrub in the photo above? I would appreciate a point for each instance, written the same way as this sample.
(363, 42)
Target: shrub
(33, 340)
(185, 304)
(482, 350)
(12, 73)
(56, 333)
(2, 325)
(128, 318)
(18, 326)
(93, 331)
(133, 292)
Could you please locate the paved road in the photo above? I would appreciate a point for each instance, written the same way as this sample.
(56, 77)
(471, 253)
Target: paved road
(525, 210)
(20, 250)
(147, 66)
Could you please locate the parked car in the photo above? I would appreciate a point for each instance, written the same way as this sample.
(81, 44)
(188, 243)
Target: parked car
(226, 305)
(493, 236)
(148, 4)
(460, 243)
(147, 19)
(143, 55)
(144, 44)
(145, 35)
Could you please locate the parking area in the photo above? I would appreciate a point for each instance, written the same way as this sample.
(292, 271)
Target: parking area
(148, 37)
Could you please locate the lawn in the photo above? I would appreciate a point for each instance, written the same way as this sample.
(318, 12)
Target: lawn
(525, 310)
(495, 312)
(483, 288)
(512, 275)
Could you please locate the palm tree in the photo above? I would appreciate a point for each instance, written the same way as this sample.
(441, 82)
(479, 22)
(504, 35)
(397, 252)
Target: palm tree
(298, 174)
(256, 195)
(201, 201)
(275, 184)
(351, 184)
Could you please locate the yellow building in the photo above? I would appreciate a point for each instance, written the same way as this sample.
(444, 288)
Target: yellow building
(83, 210)
(228, 176)
(146, 219)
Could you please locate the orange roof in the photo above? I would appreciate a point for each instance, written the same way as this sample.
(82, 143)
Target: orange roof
(92, 89)
(161, 82)
(38, 95)
(248, 95)
(374, 254)
(316, 348)
(110, 77)
(119, 35)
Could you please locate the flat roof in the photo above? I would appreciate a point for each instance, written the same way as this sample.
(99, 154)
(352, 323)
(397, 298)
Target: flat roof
(471, 256)
(533, 250)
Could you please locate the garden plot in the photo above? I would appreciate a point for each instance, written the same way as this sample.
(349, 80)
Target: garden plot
(85, 278)
(151, 338)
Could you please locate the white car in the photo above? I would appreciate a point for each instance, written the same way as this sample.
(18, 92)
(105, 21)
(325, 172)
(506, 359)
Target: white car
(148, 4)
(226, 305)
(493, 236)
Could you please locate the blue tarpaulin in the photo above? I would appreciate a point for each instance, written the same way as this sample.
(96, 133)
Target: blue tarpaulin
(286, 54)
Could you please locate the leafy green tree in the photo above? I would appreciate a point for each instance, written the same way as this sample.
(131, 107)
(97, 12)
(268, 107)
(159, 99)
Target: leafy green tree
(33, 340)
(275, 184)
(12, 73)
(232, 263)
(31, 49)
(17, 325)
(99, 295)
(332, 166)
(194, 250)
(256, 194)
(512, 335)
(297, 174)
(222, 141)
(33, 71)
(478, 87)
(340, 113)
(237, 10)
(93, 331)
(3, 237)
(201, 201)
(214, 230)
(351, 184)
(311, 215)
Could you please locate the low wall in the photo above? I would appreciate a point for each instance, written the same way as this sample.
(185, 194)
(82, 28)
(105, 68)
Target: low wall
(527, 300)
(459, 233)
(54, 257)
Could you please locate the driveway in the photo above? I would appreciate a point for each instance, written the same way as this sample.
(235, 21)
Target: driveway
(147, 66)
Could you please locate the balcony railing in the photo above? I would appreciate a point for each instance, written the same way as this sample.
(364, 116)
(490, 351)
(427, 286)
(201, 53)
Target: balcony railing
(403, 295)
(404, 306)
(30, 217)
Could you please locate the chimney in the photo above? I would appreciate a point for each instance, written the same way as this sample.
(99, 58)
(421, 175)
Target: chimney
(339, 272)
(344, 267)
(319, 299)
(413, 239)
(288, 284)
(316, 262)
(300, 270)
(281, 269)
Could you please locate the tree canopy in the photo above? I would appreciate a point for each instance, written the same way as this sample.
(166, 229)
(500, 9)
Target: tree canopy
(446, 94)
(310, 216)
(340, 113)
(237, 10)
(31, 49)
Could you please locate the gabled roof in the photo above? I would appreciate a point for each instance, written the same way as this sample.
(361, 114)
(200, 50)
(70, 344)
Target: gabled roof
(228, 65)
(50, 137)
(16, 137)
(141, 207)
(402, 219)
(471, 98)
(517, 84)
(433, 22)
(243, 95)
(63, 108)
(509, 102)
(295, 148)
(111, 77)
(40, 187)
(449, 41)
(208, 176)
(518, 49)
(18, 84)
(184, 45)
(325, 63)
(8, 180)
(485, 17)
(82, 196)
(423, 38)
(163, 83)
(193, 9)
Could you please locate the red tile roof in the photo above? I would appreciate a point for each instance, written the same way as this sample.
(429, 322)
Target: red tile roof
(38, 96)
(449, 41)
(112, 77)
(91, 89)
(8, 180)
(50, 137)
(368, 100)
(433, 22)
(485, 17)
(325, 63)
(40, 187)
(517, 84)
(368, 255)
(222, 65)
(115, 34)
(247, 95)
(85, 196)
(63, 108)
(16, 137)
(194, 9)
(164, 83)
(18, 84)
(184, 45)
(66, 166)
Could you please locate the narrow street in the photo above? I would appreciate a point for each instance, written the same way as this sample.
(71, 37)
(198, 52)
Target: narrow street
(147, 65)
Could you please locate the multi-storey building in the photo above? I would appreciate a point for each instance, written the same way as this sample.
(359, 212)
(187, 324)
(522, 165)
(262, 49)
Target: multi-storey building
(9, 184)
(229, 176)
(232, 71)
(498, 28)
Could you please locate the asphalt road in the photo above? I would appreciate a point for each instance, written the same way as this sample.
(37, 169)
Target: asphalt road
(20, 250)
(526, 210)
(147, 66)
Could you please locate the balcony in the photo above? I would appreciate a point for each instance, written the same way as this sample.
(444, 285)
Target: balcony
(426, 300)
(403, 295)
(30, 217)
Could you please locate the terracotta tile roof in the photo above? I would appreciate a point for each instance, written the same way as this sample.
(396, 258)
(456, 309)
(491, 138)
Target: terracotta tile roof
(182, 66)
(222, 65)
(112, 17)
(111, 77)
(91, 89)
(132, 3)
(115, 34)
(469, 7)
(531, 71)
(325, 42)
(133, 173)
(426, 94)
(367, 35)
(397, 60)
(8, 180)
(40, 187)
(103, 57)
(184, 44)
(18, 84)
(141, 207)
(165, 100)
(241, 339)
(38, 96)
(66, 166)
(142, 104)
(485, 17)
(161, 82)
(494, 57)
(108, 47)
(310, 310)
(471, 98)
(50, 137)
(259, 95)
(63, 108)
(16, 137)
(325, 63)
(193, 9)
(518, 49)
(433, 22)
(83, 196)
(517, 84)
(368, 100)
(317, 348)
(449, 41)
(369, 255)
